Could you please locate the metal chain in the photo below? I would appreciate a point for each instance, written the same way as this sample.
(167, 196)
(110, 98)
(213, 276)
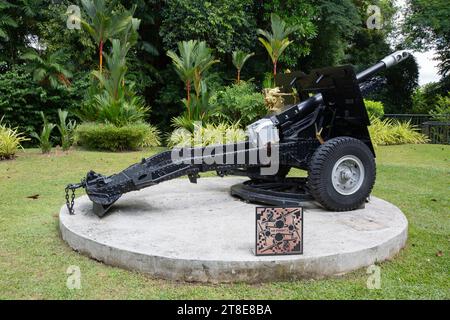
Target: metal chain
(70, 200)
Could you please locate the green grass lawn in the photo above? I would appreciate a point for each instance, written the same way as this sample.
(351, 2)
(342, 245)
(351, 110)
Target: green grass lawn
(34, 258)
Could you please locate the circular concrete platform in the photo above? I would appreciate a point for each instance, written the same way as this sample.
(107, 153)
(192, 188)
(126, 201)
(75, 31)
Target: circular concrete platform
(182, 231)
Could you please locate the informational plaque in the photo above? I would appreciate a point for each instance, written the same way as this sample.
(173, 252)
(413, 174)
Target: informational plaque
(279, 231)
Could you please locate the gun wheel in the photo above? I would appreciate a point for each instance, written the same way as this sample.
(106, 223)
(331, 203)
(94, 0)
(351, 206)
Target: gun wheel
(341, 174)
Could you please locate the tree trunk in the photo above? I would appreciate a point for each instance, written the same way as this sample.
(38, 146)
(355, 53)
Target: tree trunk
(188, 89)
(238, 76)
(274, 69)
(101, 55)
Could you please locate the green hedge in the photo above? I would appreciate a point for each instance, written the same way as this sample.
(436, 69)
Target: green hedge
(112, 138)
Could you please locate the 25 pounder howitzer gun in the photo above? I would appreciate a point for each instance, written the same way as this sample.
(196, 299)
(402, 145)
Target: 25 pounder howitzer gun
(325, 134)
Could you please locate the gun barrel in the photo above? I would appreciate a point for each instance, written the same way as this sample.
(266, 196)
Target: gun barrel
(385, 63)
(306, 107)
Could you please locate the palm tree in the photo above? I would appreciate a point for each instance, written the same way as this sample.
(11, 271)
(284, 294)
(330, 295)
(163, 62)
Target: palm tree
(185, 64)
(112, 81)
(239, 59)
(194, 59)
(276, 41)
(104, 23)
(129, 36)
(50, 69)
(203, 61)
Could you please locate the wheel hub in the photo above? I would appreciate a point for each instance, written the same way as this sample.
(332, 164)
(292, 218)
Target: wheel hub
(347, 175)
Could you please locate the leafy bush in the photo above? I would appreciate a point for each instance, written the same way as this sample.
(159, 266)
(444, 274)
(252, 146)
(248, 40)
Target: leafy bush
(44, 137)
(210, 135)
(199, 111)
(112, 101)
(119, 112)
(374, 108)
(151, 138)
(49, 70)
(239, 103)
(10, 141)
(225, 24)
(21, 99)
(390, 132)
(99, 136)
(441, 112)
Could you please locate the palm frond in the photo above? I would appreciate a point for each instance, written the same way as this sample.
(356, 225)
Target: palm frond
(32, 56)
(276, 41)
(8, 21)
(3, 34)
(39, 74)
(240, 57)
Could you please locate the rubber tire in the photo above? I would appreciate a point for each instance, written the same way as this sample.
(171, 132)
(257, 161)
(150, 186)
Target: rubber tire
(321, 166)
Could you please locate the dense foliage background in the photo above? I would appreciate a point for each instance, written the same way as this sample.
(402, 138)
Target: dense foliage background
(329, 32)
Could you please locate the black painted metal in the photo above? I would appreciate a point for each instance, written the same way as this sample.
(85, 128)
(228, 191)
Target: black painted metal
(287, 192)
(336, 109)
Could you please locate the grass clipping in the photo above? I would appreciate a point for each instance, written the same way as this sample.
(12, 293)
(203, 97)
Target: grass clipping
(391, 132)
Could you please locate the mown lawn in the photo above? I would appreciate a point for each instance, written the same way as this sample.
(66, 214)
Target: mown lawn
(34, 259)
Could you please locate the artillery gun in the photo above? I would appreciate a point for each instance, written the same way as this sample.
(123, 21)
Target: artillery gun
(326, 134)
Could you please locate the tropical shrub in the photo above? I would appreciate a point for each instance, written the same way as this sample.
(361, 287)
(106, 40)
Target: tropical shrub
(66, 129)
(104, 108)
(21, 98)
(208, 135)
(49, 70)
(101, 136)
(225, 25)
(151, 138)
(10, 141)
(44, 137)
(106, 23)
(238, 102)
(374, 108)
(441, 111)
(113, 101)
(191, 64)
(391, 132)
(199, 110)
